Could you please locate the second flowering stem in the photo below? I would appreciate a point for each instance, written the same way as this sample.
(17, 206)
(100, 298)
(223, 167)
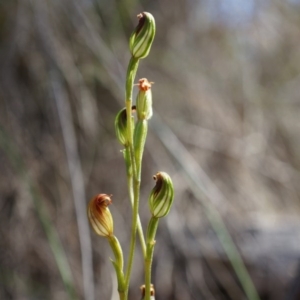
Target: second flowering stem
(118, 264)
(151, 232)
(131, 196)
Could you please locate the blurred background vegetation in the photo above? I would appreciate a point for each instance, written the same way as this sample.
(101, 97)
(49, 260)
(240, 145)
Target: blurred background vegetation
(226, 128)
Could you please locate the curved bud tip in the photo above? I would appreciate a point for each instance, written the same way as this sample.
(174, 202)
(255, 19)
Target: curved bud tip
(99, 215)
(162, 195)
(142, 37)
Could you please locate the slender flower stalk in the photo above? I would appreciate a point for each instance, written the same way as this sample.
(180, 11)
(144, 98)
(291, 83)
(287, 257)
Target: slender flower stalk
(151, 232)
(132, 68)
(118, 264)
(131, 73)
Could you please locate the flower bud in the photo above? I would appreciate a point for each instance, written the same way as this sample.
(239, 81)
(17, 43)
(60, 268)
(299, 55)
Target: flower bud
(99, 215)
(121, 126)
(144, 100)
(142, 37)
(162, 195)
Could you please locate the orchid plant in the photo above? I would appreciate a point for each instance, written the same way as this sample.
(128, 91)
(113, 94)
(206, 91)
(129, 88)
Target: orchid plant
(131, 133)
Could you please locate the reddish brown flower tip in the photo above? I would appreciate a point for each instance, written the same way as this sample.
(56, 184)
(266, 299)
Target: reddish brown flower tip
(144, 84)
(99, 215)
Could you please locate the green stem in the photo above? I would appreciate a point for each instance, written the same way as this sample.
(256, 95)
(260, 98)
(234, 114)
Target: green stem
(118, 263)
(151, 232)
(131, 72)
(117, 250)
(131, 196)
(122, 295)
(140, 134)
(136, 192)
